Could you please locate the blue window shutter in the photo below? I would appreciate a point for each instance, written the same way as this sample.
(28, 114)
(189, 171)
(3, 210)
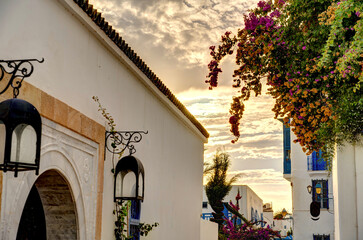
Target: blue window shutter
(287, 149)
(320, 154)
(225, 212)
(287, 138)
(313, 155)
(239, 221)
(326, 193)
(313, 183)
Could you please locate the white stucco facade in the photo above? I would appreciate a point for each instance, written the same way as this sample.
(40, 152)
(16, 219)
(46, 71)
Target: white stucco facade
(208, 230)
(348, 191)
(304, 227)
(81, 62)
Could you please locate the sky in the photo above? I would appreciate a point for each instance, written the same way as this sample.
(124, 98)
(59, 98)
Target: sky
(173, 38)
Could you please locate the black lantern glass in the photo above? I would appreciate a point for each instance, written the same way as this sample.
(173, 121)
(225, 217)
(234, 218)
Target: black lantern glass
(129, 179)
(20, 136)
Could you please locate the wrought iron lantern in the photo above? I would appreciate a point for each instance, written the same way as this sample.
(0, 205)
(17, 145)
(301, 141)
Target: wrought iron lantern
(309, 188)
(129, 179)
(20, 122)
(20, 134)
(129, 173)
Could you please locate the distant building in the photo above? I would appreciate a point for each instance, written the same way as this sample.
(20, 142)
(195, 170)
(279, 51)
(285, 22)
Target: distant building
(251, 205)
(303, 171)
(268, 214)
(284, 225)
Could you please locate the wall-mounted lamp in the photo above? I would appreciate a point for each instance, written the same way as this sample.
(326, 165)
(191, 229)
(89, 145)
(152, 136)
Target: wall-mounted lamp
(318, 188)
(20, 136)
(129, 172)
(129, 179)
(20, 122)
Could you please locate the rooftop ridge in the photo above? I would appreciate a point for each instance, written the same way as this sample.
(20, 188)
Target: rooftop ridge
(129, 52)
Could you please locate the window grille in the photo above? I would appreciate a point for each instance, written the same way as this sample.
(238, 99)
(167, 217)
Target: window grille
(321, 237)
(323, 198)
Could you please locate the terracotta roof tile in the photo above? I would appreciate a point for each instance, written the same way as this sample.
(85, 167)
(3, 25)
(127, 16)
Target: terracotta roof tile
(117, 39)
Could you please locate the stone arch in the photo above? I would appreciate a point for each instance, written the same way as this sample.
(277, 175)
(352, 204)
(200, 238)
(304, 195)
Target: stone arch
(59, 209)
(55, 160)
(71, 156)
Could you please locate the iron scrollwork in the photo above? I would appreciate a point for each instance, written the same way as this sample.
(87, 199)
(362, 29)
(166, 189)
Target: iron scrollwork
(18, 70)
(117, 142)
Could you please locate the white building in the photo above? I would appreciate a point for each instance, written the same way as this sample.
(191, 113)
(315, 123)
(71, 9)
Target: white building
(85, 57)
(303, 171)
(251, 205)
(284, 225)
(348, 192)
(268, 214)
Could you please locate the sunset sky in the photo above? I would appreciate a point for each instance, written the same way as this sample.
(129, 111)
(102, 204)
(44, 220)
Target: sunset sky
(173, 38)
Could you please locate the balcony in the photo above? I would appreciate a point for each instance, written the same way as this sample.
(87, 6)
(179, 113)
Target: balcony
(207, 216)
(316, 163)
(227, 214)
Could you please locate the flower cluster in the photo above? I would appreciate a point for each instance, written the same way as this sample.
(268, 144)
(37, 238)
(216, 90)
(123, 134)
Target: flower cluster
(314, 68)
(248, 230)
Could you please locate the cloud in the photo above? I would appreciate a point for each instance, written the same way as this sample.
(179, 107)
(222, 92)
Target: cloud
(268, 184)
(260, 143)
(277, 190)
(173, 38)
(178, 32)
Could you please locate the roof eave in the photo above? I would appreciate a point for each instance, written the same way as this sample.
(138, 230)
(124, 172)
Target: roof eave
(116, 45)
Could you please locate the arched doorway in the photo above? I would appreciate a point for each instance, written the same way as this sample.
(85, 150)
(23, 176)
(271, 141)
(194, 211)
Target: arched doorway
(50, 211)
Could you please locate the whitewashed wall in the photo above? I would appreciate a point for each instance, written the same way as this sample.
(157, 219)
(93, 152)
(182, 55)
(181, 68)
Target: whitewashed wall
(78, 66)
(208, 230)
(304, 226)
(268, 217)
(249, 199)
(348, 192)
(283, 225)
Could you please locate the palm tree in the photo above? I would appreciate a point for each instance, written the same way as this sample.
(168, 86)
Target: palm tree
(218, 186)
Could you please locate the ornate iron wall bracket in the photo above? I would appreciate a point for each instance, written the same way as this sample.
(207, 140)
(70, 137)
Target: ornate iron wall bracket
(17, 69)
(117, 142)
